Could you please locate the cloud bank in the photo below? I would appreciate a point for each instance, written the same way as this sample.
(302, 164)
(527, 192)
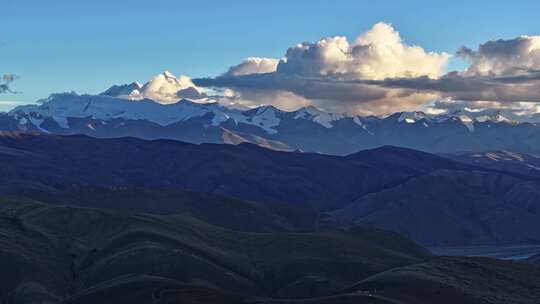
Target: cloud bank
(254, 65)
(379, 73)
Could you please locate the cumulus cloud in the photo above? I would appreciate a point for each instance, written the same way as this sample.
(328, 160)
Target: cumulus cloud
(164, 88)
(378, 54)
(378, 73)
(501, 72)
(503, 57)
(254, 65)
(333, 73)
(520, 85)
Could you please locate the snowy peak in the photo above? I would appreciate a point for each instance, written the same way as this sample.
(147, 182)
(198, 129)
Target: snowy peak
(126, 91)
(266, 117)
(467, 122)
(412, 117)
(269, 109)
(498, 117)
(323, 118)
(166, 100)
(61, 107)
(168, 75)
(428, 120)
(467, 118)
(308, 129)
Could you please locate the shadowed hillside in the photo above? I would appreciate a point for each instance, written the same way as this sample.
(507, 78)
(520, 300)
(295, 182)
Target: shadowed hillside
(457, 280)
(58, 252)
(43, 162)
(55, 254)
(215, 209)
(453, 207)
(428, 198)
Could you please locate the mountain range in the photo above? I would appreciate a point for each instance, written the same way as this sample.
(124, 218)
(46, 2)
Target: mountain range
(432, 200)
(173, 108)
(86, 220)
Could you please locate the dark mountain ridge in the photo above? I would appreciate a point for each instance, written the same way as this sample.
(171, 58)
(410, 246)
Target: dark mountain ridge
(428, 198)
(246, 171)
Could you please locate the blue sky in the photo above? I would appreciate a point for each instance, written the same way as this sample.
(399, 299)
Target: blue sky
(85, 46)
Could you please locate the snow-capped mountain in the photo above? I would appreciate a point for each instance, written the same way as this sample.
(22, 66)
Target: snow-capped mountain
(127, 91)
(148, 111)
(62, 107)
(318, 116)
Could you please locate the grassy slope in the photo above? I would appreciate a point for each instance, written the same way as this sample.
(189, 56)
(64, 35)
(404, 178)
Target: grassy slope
(61, 251)
(458, 280)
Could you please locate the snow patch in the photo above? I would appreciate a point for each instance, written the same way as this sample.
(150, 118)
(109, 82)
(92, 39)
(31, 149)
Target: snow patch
(323, 118)
(265, 117)
(468, 122)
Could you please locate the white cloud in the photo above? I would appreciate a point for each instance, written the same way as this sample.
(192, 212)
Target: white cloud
(284, 100)
(377, 54)
(504, 57)
(254, 65)
(376, 73)
(328, 74)
(165, 88)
